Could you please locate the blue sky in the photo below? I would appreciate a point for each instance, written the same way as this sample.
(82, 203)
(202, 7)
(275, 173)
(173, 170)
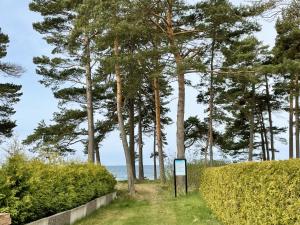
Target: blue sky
(38, 104)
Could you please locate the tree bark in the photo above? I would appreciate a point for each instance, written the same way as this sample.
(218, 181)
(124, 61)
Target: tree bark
(140, 141)
(265, 133)
(297, 115)
(270, 118)
(263, 147)
(154, 154)
(206, 152)
(261, 122)
(211, 104)
(181, 82)
(89, 96)
(291, 125)
(130, 176)
(97, 151)
(180, 116)
(131, 135)
(158, 131)
(251, 141)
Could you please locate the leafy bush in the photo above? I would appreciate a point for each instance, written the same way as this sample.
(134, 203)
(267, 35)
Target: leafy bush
(30, 190)
(194, 170)
(254, 193)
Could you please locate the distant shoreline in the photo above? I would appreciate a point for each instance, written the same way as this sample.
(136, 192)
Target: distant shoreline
(120, 172)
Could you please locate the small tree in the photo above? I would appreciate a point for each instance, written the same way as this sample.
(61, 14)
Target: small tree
(9, 93)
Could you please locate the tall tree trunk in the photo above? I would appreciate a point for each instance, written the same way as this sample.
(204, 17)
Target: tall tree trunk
(180, 116)
(270, 118)
(251, 141)
(211, 104)
(131, 135)
(154, 154)
(89, 106)
(291, 124)
(130, 176)
(297, 115)
(206, 152)
(181, 82)
(263, 147)
(265, 133)
(97, 151)
(140, 141)
(158, 131)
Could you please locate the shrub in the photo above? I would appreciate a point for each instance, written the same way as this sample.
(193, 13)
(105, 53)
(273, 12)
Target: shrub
(194, 170)
(30, 190)
(254, 193)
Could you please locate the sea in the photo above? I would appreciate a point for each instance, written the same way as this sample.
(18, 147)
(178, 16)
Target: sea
(120, 172)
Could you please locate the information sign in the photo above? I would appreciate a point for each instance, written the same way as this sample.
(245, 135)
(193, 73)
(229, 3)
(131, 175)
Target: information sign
(180, 171)
(180, 167)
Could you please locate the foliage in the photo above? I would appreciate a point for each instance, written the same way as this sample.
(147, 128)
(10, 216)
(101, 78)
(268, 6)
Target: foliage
(254, 193)
(74, 73)
(196, 168)
(194, 171)
(5, 67)
(9, 93)
(30, 189)
(196, 134)
(14, 147)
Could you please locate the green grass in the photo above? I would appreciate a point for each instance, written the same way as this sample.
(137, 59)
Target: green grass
(154, 206)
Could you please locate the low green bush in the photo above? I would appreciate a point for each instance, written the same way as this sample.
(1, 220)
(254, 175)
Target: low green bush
(254, 193)
(194, 170)
(30, 190)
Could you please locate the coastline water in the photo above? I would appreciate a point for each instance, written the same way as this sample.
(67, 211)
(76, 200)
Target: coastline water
(120, 172)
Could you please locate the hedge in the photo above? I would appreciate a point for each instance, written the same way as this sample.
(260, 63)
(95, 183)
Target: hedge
(254, 193)
(30, 190)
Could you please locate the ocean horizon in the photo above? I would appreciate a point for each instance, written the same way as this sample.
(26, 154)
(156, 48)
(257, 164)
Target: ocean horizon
(120, 172)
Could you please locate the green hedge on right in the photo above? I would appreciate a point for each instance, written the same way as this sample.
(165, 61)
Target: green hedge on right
(264, 193)
(31, 189)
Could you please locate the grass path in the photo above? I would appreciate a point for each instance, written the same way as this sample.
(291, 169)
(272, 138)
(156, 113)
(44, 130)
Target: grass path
(152, 206)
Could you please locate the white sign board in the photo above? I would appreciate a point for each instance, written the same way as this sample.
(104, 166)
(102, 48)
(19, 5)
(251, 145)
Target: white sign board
(180, 167)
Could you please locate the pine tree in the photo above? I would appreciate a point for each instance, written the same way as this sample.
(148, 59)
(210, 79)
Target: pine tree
(222, 23)
(245, 56)
(66, 27)
(48, 140)
(75, 81)
(169, 18)
(196, 135)
(160, 119)
(286, 56)
(9, 93)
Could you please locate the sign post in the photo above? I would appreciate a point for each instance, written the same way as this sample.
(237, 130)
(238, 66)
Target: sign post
(180, 169)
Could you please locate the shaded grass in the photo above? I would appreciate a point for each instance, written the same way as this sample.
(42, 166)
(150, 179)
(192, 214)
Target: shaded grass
(153, 207)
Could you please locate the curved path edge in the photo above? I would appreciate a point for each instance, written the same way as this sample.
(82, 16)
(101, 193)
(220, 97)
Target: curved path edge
(71, 216)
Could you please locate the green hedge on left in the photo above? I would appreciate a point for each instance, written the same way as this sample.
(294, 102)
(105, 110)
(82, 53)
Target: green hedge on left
(30, 190)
